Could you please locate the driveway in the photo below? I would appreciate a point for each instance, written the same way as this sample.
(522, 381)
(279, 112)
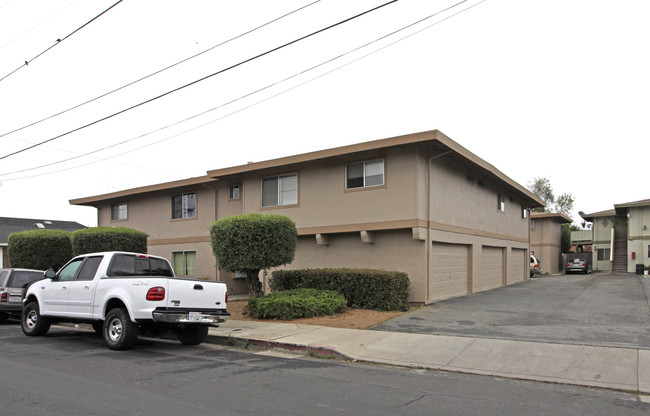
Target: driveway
(599, 309)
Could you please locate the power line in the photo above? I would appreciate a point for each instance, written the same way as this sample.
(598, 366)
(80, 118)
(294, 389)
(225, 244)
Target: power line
(58, 41)
(159, 71)
(252, 93)
(199, 80)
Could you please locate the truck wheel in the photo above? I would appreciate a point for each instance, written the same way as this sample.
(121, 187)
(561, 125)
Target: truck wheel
(119, 332)
(192, 335)
(32, 322)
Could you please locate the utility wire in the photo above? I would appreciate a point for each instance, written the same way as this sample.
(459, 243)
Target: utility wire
(250, 94)
(159, 71)
(58, 41)
(200, 79)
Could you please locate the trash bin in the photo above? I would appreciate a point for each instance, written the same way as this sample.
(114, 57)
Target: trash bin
(640, 268)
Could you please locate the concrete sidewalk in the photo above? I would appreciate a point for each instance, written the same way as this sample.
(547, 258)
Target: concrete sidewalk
(583, 365)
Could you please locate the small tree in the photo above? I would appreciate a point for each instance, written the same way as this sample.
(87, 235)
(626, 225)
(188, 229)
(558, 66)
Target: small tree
(253, 242)
(39, 249)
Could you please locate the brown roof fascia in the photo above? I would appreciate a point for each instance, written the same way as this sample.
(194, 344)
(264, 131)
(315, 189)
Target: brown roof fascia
(91, 200)
(599, 214)
(642, 203)
(427, 136)
(557, 215)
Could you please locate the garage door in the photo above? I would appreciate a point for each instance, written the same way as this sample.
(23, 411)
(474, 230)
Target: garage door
(518, 266)
(490, 269)
(450, 264)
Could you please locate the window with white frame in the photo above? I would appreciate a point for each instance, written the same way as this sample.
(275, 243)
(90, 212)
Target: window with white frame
(280, 190)
(604, 254)
(364, 174)
(119, 211)
(501, 207)
(524, 213)
(184, 263)
(233, 192)
(184, 206)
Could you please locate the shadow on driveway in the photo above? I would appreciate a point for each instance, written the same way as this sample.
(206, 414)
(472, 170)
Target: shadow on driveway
(600, 309)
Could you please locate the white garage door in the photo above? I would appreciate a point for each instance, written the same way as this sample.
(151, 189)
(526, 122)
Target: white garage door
(450, 264)
(519, 266)
(490, 272)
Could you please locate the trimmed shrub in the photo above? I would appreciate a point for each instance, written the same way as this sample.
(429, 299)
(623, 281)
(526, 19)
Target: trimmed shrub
(298, 303)
(362, 288)
(252, 242)
(93, 240)
(39, 249)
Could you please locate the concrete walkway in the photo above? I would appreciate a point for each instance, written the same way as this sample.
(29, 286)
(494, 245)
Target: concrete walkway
(583, 365)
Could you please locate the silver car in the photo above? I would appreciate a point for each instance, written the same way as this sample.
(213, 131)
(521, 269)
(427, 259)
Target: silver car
(13, 283)
(578, 266)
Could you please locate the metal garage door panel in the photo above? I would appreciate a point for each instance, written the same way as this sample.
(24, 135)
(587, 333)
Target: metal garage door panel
(491, 269)
(450, 264)
(519, 265)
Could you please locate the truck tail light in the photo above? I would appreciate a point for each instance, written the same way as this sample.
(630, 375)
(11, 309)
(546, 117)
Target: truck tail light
(156, 293)
(4, 297)
(226, 298)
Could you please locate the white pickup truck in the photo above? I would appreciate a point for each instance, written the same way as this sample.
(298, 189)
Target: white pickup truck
(122, 295)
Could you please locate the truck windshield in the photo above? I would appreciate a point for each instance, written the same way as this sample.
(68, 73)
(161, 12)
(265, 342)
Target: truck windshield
(130, 265)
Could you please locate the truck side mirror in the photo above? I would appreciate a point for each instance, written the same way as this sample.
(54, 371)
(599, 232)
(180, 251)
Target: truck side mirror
(50, 274)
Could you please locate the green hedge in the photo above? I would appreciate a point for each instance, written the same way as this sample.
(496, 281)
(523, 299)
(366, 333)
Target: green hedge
(93, 240)
(362, 288)
(39, 249)
(298, 303)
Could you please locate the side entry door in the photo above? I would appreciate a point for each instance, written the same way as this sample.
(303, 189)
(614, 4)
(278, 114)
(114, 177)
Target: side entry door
(55, 292)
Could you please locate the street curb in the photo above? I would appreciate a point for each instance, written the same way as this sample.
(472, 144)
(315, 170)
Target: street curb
(275, 346)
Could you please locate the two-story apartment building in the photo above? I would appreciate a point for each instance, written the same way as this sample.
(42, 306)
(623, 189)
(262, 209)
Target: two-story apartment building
(621, 236)
(418, 203)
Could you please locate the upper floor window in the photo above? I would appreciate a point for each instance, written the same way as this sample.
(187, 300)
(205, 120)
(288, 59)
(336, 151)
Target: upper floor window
(524, 213)
(501, 207)
(184, 206)
(233, 192)
(119, 211)
(364, 174)
(280, 190)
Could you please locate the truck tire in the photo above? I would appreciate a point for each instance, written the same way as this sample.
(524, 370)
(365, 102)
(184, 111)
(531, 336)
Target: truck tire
(32, 322)
(192, 335)
(119, 332)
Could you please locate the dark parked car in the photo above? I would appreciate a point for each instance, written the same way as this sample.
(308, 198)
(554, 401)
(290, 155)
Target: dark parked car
(13, 283)
(578, 266)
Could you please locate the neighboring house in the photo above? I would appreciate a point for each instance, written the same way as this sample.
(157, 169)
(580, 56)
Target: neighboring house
(546, 239)
(14, 225)
(620, 237)
(419, 203)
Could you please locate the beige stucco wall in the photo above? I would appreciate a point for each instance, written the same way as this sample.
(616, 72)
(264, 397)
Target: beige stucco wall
(545, 242)
(639, 237)
(602, 229)
(391, 250)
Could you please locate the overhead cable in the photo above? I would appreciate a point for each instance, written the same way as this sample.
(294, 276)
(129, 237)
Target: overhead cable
(199, 80)
(58, 41)
(157, 72)
(249, 94)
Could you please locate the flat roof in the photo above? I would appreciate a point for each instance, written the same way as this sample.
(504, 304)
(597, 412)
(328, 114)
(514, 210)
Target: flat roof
(556, 215)
(433, 137)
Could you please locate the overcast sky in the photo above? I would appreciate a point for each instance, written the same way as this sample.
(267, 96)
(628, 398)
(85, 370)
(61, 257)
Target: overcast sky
(538, 88)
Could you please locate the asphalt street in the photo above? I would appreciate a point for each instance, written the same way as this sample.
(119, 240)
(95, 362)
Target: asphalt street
(71, 372)
(596, 309)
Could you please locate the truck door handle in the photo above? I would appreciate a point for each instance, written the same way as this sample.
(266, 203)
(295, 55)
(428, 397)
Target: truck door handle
(86, 287)
(64, 288)
(198, 287)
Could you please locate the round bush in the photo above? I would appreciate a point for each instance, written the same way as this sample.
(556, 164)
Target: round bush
(39, 249)
(97, 239)
(298, 303)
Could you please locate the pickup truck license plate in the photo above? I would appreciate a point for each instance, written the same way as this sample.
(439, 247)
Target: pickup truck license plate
(195, 316)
